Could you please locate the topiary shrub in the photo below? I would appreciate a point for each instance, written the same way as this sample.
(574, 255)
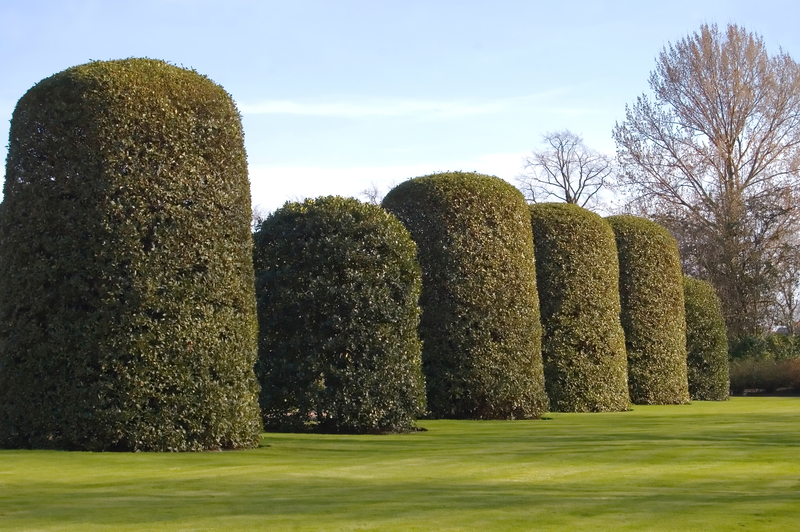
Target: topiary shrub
(577, 275)
(480, 326)
(127, 309)
(706, 342)
(338, 288)
(653, 315)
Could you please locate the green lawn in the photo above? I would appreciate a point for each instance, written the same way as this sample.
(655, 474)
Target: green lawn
(705, 466)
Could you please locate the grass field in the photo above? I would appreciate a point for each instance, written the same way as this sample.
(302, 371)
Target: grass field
(706, 466)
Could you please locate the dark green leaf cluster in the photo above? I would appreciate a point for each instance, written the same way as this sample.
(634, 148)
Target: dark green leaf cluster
(770, 346)
(653, 315)
(583, 347)
(127, 310)
(338, 290)
(480, 321)
(706, 342)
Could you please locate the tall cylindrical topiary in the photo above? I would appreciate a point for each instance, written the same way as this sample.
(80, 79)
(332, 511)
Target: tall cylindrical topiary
(653, 316)
(127, 309)
(480, 316)
(706, 342)
(338, 303)
(583, 347)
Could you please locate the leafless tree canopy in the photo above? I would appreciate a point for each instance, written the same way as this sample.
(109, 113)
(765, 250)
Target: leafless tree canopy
(715, 156)
(565, 170)
(373, 194)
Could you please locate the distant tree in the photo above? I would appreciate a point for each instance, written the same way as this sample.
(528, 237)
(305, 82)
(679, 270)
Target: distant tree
(372, 194)
(715, 157)
(565, 170)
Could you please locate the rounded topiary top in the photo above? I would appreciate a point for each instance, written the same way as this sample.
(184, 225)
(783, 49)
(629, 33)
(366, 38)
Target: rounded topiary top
(127, 315)
(706, 342)
(480, 317)
(338, 288)
(577, 274)
(653, 316)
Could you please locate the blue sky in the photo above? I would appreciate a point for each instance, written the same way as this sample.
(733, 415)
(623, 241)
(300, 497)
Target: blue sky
(338, 95)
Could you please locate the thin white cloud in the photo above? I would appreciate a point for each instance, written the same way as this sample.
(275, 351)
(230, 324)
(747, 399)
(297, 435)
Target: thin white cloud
(355, 110)
(392, 107)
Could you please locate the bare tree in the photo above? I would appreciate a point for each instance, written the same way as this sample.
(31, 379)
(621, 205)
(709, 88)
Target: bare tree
(565, 170)
(372, 194)
(715, 157)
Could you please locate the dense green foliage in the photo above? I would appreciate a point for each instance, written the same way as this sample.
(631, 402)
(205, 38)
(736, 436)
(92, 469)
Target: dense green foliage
(770, 346)
(338, 287)
(480, 321)
(706, 342)
(127, 310)
(577, 275)
(653, 314)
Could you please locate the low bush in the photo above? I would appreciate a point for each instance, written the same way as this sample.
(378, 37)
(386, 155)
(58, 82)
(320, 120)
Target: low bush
(706, 342)
(583, 346)
(480, 322)
(338, 286)
(764, 375)
(127, 316)
(653, 314)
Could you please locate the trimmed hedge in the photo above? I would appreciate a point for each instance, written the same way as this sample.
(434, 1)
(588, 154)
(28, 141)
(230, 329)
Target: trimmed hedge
(480, 322)
(127, 309)
(338, 287)
(653, 315)
(706, 342)
(764, 375)
(577, 274)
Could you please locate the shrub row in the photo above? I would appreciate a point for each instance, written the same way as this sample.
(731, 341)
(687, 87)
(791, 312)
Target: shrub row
(148, 344)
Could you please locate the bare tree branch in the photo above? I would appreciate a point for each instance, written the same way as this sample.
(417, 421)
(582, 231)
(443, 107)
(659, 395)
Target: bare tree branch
(372, 194)
(565, 170)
